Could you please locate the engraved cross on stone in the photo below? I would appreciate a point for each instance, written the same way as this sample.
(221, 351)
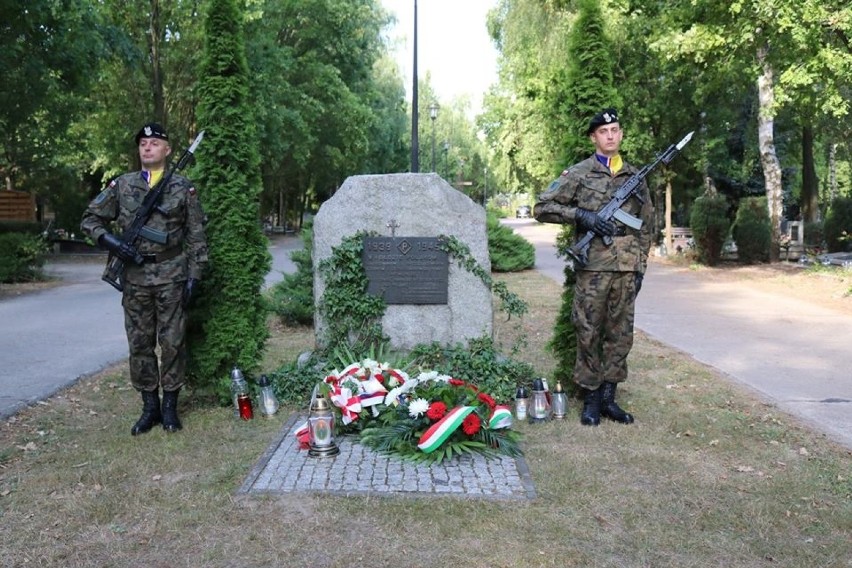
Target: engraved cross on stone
(393, 226)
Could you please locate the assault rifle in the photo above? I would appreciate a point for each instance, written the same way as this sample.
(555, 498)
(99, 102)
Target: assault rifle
(612, 210)
(115, 266)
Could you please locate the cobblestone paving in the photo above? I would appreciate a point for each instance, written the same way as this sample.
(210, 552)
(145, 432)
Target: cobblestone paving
(358, 470)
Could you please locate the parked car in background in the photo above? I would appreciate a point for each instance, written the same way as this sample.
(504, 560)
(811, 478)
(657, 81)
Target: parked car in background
(523, 212)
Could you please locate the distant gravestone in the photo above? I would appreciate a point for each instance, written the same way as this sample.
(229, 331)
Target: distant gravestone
(429, 297)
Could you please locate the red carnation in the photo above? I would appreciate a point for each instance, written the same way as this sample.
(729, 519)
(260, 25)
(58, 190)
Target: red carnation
(456, 382)
(486, 398)
(471, 424)
(436, 411)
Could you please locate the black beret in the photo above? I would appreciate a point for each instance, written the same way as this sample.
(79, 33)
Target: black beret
(606, 116)
(152, 130)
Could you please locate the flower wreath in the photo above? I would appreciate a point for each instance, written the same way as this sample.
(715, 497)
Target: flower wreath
(430, 417)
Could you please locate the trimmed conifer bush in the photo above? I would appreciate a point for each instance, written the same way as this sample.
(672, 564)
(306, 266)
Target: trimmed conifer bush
(563, 344)
(752, 231)
(228, 325)
(710, 226)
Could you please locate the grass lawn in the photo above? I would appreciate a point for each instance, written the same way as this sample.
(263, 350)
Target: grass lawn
(709, 476)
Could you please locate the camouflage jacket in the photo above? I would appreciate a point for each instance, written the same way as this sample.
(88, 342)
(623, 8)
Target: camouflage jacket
(590, 185)
(179, 216)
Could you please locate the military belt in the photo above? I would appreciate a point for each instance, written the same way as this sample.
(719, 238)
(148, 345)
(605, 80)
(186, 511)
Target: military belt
(162, 256)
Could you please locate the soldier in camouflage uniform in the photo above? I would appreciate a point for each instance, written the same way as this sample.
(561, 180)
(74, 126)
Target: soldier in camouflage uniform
(157, 291)
(607, 285)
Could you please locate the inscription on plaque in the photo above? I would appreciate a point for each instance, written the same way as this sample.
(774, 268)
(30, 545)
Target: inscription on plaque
(406, 270)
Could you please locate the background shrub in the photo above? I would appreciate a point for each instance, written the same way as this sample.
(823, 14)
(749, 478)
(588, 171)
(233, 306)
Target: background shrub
(292, 299)
(509, 251)
(27, 227)
(710, 225)
(22, 257)
(838, 225)
(752, 231)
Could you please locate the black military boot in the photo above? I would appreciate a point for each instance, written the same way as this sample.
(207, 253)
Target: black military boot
(171, 422)
(591, 415)
(150, 413)
(610, 409)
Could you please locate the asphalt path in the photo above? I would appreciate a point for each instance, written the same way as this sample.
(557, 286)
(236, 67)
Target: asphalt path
(51, 339)
(793, 354)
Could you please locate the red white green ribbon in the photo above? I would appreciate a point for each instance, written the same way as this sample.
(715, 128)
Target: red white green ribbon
(500, 418)
(441, 430)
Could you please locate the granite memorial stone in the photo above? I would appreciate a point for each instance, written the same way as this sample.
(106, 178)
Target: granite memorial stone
(429, 296)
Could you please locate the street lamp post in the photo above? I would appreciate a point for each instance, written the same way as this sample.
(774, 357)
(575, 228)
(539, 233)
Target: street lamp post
(446, 147)
(433, 114)
(415, 142)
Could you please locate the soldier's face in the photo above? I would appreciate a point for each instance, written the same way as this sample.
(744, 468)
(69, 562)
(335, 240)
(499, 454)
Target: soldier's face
(607, 139)
(153, 153)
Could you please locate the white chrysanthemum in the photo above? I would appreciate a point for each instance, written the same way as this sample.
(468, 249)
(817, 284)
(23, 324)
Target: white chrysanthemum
(442, 378)
(418, 407)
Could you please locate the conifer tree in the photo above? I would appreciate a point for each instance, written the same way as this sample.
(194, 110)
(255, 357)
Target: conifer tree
(229, 322)
(589, 88)
(589, 85)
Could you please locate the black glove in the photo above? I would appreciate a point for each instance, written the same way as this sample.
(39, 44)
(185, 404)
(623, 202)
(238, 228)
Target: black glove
(638, 282)
(121, 249)
(590, 221)
(188, 291)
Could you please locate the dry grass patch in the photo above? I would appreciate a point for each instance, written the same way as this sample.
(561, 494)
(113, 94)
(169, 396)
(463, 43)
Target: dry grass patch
(708, 476)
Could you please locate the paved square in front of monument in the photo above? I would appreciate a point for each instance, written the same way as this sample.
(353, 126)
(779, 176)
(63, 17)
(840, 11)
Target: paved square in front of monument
(358, 470)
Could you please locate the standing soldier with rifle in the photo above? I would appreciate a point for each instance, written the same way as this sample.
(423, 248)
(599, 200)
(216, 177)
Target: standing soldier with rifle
(608, 276)
(156, 260)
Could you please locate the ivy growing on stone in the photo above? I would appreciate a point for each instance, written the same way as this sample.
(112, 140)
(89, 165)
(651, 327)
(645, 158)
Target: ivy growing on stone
(353, 317)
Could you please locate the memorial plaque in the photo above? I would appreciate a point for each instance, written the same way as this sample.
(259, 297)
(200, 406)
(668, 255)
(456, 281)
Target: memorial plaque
(406, 270)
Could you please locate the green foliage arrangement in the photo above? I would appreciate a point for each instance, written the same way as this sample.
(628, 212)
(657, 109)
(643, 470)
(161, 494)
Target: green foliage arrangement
(228, 326)
(21, 257)
(752, 231)
(509, 252)
(710, 226)
(838, 225)
(479, 363)
(292, 299)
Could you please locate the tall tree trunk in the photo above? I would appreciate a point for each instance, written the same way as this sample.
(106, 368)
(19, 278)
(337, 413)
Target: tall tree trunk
(155, 33)
(810, 183)
(766, 144)
(832, 171)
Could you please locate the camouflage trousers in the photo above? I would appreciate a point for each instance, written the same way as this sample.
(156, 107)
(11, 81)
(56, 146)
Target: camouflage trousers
(153, 315)
(603, 313)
